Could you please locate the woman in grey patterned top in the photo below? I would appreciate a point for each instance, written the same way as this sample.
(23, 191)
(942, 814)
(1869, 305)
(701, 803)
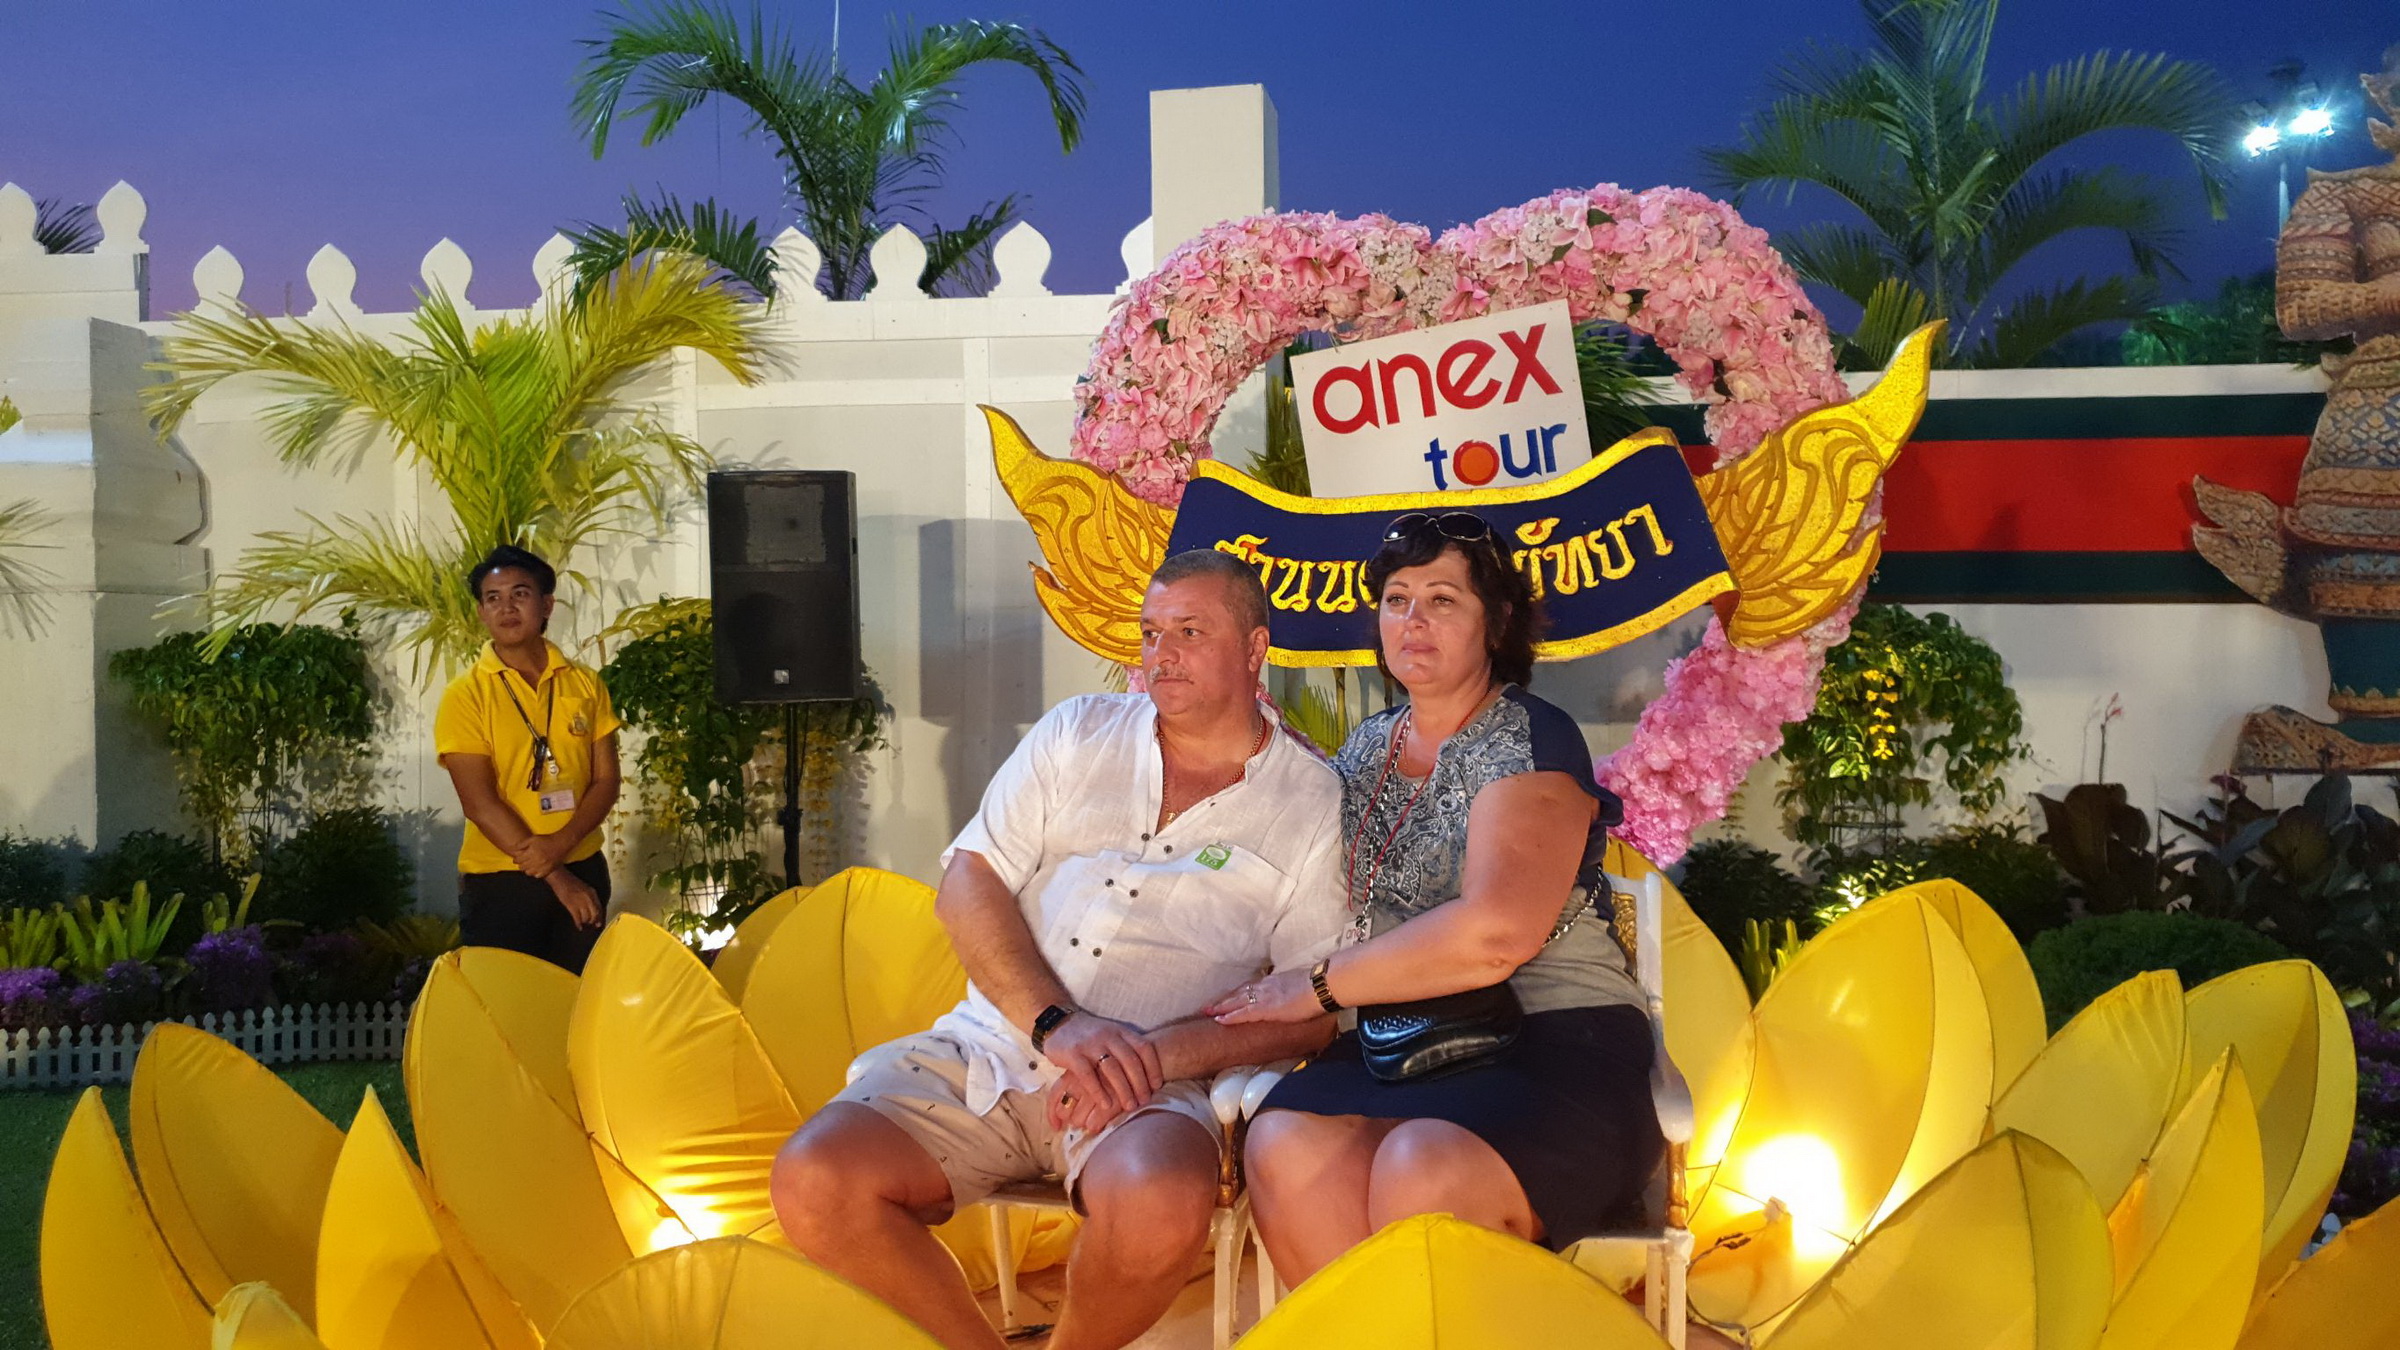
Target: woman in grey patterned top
(1475, 833)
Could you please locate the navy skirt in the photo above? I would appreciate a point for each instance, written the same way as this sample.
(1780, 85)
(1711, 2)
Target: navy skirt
(1567, 1108)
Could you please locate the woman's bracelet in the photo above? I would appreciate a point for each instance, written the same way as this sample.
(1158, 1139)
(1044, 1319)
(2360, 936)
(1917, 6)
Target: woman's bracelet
(1316, 984)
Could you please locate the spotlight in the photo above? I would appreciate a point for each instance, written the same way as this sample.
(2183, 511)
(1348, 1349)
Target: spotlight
(2313, 122)
(2262, 139)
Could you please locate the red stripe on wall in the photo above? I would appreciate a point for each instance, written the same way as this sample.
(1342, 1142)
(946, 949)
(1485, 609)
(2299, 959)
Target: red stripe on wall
(2129, 495)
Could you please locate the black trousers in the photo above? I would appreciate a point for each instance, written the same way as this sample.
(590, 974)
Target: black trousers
(522, 913)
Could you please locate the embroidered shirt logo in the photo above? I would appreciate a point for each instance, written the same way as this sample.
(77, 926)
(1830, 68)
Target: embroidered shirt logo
(1214, 857)
(581, 725)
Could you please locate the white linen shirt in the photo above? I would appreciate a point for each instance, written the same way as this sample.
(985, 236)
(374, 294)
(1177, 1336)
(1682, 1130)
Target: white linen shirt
(1142, 924)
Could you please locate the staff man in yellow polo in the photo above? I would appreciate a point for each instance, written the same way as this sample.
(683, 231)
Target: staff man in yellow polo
(530, 740)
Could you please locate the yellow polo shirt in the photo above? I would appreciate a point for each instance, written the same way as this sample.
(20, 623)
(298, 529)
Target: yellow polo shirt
(477, 718)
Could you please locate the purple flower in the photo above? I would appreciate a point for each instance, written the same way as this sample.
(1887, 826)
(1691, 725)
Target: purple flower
(334, 967)
(129, 991)
(230, 971)
(32, 996)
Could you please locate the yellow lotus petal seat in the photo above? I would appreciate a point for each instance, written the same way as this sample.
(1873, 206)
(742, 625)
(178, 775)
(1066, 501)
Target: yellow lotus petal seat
(2185, 1236)
(730, 1294)
(254, 1317)
(1436, 1283)
(393, 1272)
(108, 1280)
(505, 1157)
(234, 1163)
(2103, 1089)
(2345, 1297)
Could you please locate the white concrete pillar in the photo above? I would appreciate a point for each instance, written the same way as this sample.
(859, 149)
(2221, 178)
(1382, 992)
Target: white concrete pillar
(121, 514)
(1213, 158)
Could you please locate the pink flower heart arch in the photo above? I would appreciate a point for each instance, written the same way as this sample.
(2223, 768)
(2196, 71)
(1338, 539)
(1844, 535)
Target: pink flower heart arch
(1680, 267)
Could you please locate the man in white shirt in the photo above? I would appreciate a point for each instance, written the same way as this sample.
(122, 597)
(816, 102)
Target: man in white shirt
(1138, 855)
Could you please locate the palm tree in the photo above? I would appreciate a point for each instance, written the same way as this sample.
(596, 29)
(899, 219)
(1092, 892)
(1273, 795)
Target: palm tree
(1957, 185)
(853, 158)
(524, 423)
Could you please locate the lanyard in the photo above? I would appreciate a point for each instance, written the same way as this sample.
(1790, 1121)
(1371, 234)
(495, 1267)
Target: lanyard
(542, 754)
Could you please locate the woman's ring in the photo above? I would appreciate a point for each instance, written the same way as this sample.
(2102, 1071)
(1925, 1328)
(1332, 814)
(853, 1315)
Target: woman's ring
(1250, 995)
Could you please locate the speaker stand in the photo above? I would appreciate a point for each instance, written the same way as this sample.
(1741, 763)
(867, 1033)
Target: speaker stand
(795, 755)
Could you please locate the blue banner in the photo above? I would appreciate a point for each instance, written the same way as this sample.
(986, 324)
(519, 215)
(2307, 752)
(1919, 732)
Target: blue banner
(1615, 549)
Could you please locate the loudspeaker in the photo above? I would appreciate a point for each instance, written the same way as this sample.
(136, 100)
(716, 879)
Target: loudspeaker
(783, 565)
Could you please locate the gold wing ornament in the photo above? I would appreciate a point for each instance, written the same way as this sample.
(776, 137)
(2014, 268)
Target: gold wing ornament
(1102, 541)
(1788, 514)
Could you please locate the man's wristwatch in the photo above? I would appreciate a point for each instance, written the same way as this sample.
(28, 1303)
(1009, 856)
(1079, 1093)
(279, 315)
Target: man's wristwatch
(1050, 1019)
(1316, 984)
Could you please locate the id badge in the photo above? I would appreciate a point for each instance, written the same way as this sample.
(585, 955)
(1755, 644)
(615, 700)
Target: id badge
(558, 799)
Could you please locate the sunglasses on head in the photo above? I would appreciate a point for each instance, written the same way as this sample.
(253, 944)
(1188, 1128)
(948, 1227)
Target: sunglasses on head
(1463, 527)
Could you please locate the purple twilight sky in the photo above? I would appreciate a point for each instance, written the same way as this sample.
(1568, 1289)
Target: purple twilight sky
(275, 126)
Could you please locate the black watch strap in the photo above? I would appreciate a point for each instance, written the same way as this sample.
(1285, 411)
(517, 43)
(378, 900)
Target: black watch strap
(1049, 1020)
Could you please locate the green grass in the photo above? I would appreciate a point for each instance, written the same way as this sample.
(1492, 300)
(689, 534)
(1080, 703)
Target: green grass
(31, 1122)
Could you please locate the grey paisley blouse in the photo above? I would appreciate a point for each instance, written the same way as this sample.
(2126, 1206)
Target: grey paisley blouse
(1404, 859)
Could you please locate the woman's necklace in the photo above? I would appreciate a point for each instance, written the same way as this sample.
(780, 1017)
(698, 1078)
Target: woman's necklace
(1166, 771)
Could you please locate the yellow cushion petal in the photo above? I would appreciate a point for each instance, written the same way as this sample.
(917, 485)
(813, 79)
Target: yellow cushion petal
(1435, 1283)
(2100, 1092)
(2009, 993)
(673, 1084)
(2005, 1251)
(730, 1294)
(2346, 1297)
(108, 1280)
(1873, 1074)
(548, 1214)
(2294, 1039)
(254, 1317)
(386, 1277)
(234, 1163)
(740, 952)
(530, 1001)
(2186, 1233)
(860, 961)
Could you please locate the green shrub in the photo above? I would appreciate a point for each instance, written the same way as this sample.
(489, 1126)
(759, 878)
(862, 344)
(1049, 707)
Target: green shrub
(341, 867)
(2016, 876)
(33, 871)
(2086, 959)
(1729, 883)
(171, 865)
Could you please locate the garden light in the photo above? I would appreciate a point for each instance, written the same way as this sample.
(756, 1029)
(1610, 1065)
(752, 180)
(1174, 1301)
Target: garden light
(2262, 138)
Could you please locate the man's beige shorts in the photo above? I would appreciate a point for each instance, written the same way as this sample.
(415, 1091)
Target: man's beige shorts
(920, 1084)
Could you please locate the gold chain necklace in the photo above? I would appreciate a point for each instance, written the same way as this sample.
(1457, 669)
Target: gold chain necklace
(1166, 772)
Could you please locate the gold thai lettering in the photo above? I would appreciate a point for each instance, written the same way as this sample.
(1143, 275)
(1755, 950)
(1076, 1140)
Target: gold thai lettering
(1582, 561)
(1303, 584)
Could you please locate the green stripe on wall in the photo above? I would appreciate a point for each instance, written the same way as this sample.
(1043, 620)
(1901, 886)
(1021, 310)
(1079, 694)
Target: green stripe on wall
(2045, 419)
(2050, 578)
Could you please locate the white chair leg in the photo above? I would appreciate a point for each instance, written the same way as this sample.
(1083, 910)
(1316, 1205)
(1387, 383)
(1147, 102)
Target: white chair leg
(1004, 1261)
(1654, 1287)
(1267, 1281)
(1679, 1264)
(1227, 1232)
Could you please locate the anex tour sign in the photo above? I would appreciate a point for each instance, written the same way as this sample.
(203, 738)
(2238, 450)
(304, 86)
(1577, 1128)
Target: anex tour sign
(1492, 402)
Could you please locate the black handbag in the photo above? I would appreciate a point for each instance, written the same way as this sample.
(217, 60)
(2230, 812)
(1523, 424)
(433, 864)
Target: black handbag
(1429, 1037)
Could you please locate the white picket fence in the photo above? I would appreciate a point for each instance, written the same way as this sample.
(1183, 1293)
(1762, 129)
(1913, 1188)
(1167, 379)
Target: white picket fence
(75, 1057)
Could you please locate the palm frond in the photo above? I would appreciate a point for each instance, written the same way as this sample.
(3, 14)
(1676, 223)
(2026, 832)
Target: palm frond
(1795, 143)
(669, 58)
(958, 259)
(2040, 209)
(65, 227)
(905, 105)
(339, 387)
(705, 230)
(24, 608)
(2110, 91)
(1615, 395)
(1844, 258)
(401, 586)
(1892, 311)
(2037, 322)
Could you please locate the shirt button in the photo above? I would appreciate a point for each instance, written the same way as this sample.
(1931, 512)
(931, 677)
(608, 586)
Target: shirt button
(1095, 953)
(1133, 895)
(1145, 836)
(1168, 847)
(1074, 942)
(1112, 881)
